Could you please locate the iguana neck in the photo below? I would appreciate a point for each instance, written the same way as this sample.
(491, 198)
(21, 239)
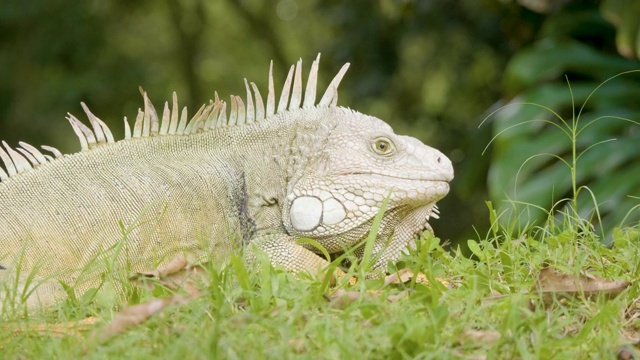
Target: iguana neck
(291, 146)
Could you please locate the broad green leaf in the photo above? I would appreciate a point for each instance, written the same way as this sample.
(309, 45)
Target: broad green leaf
(623, 14)
(475, 249)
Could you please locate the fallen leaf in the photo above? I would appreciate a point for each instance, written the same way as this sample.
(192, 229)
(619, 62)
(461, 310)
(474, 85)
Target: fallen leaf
(405, 275)
(190, 279)
(176, 264)
(400, 277)
(72, 328)
(397, 297)
(176, 274)
(135, 315)
(627, 352)
(463, 355)
(553, 284)
(488, 337)
(341, 298)
(631, 315)
(297, 345)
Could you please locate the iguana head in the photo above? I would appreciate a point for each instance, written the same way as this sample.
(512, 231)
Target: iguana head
(347, 169)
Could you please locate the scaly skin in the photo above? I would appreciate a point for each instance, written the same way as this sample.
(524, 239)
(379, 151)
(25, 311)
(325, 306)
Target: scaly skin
(307, 169)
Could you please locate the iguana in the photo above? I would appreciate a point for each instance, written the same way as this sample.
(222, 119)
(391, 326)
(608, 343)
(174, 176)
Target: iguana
(260, 177)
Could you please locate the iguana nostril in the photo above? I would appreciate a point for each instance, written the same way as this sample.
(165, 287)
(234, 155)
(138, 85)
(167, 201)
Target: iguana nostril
(439, 160)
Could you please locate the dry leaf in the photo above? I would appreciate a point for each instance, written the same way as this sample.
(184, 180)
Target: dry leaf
(135, 315)
(176, 274)
(297, 345)
(489, 337)
(405, 275)
(552, 283)
(73, 328)
(464, 355)
(400, 277)
(341, 298)
(397, 297)
(176, 264)
(627, 352)
(190, 279)
(339, 275)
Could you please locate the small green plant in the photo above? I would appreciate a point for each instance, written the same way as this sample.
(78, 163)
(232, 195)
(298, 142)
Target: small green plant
(571, 132)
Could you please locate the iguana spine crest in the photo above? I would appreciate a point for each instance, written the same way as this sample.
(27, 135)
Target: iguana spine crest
(26, 157)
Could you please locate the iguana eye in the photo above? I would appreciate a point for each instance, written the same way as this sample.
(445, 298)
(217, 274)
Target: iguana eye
(383, 146)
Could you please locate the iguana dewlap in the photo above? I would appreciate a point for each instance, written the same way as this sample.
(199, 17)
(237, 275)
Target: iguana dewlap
(260, 175)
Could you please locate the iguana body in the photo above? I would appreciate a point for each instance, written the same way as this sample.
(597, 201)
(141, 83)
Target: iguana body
(261, 178)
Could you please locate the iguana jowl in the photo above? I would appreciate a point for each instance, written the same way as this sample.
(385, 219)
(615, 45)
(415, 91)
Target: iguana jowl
(268, 173)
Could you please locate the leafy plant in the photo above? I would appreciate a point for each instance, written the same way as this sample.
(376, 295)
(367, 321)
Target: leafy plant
(554, 139)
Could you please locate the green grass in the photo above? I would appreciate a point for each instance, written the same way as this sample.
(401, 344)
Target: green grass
(276, 314)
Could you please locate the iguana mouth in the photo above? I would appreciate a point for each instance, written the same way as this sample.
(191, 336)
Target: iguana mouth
(414, 178)
(430, 190)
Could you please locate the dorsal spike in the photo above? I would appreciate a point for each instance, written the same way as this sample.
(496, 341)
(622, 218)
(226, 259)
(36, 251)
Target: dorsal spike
(212, 119)
(127, 129)
(78, 128)
(284, 97)
(150, 125)
(153, 116)
(271, 95)
(183, 122)
(166, 115)
(146, 118)
(241, 112)
(312, 83)
(28, 156)
(194, 120)
(222, 117)
(259, 104)
(57, 153)
(206, 122)
(33, 151)
(98, 126)
(332, 89)
(8, 163)
(19, 161)
(202, 119)
(3, 175)
(174, 115)
(137, 127)
(250, 108)
(296, 94)
(233, 113)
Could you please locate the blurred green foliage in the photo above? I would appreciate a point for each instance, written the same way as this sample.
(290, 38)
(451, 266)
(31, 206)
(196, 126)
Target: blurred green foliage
(566, 70)
(431, 68)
